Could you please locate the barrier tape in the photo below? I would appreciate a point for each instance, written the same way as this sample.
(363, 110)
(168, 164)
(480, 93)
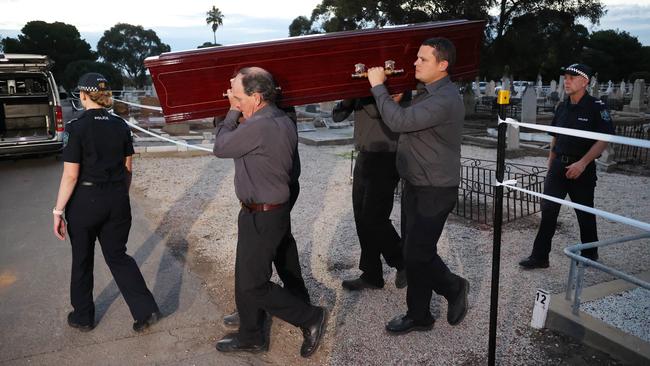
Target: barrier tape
(154, 108)
(614, 217)
(580, 133)
(168, 139)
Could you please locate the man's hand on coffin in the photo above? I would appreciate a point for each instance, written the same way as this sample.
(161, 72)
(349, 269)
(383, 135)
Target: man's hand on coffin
(376, 76)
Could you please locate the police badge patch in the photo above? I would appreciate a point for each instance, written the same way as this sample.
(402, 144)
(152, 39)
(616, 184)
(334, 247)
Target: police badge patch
(604, 114)
(66, 137)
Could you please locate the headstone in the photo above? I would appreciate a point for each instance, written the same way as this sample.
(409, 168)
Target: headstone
(621, 90)
(489, 91)
(529, 106)
(512, 138)
(538, 88)
(593, 87)
(637, 103)
(505, 84)
(177, 128)
(560, 88)
(469, 99)
(610, 89)
(553, 87)
(476, 87)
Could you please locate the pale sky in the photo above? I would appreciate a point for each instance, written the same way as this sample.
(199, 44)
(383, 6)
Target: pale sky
(181, 24)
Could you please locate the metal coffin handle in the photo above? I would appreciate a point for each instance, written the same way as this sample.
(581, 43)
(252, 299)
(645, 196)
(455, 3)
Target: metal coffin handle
(389, 69)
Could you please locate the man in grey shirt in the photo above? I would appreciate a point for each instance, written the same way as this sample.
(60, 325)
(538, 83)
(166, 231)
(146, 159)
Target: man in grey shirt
(373, 186)
(428, 159)
(262, 147)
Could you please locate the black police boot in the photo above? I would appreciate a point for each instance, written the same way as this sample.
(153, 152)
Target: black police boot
(140, 325)
(400, 278)
(77, 325)
(358, 284)
(590, 254)
(532, 263)
(313, 333)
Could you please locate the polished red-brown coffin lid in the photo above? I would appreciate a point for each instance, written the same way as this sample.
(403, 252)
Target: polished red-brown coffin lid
(308, 69)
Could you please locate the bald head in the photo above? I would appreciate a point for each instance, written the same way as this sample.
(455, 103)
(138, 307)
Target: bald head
(257, 80)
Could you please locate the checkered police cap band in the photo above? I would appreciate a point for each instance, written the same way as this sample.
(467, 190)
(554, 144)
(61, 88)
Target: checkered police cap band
(579, 72)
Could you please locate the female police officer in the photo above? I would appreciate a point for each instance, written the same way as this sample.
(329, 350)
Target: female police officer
(94, 192)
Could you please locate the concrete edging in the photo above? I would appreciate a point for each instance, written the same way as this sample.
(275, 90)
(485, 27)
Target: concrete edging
(594, 332)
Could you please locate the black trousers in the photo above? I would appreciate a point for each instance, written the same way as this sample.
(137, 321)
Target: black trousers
(373, 187)
(104, 213)
(259, 236)
(287, 262)
(425, 212)
(581, 190)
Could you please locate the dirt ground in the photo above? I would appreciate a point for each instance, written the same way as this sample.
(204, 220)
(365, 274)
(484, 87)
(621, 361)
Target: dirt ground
(193, 203)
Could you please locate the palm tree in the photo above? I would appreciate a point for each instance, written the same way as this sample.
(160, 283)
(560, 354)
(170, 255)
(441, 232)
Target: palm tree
(214, 18)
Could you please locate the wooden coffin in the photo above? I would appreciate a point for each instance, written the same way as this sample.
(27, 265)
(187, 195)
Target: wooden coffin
(308, 69)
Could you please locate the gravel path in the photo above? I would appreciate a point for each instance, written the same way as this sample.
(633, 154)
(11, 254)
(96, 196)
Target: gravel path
(629, 311)
(194, 200)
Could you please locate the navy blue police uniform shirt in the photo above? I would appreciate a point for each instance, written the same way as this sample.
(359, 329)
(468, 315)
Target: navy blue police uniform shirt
(589, 114)
(99, 141)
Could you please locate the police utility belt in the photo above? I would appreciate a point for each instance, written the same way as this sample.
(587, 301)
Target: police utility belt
(568, 159)
(261, 207)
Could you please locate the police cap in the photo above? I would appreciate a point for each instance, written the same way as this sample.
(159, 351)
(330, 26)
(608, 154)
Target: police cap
(578, 70)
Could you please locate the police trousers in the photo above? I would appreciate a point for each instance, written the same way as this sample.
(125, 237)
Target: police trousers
(425, 211)
(581, 190)
(104, 212)
(373, 188)
(259, 236)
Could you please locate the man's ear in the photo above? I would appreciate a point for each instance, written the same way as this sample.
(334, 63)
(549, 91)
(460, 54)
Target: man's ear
(444, 65)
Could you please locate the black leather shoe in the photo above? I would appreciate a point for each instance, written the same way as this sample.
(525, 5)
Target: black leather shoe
(231, 320)
(402, 324)
(358, 284)
(532, 263)
(140, 325)
(81, 327)
(230, 343)
(313, 333)
(457, 307)
(400, 278)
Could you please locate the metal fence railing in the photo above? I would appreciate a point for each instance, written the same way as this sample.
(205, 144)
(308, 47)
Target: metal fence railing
(477, 190)
(632, 154)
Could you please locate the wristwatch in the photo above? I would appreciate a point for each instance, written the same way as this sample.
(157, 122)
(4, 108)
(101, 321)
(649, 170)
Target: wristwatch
(57, 212)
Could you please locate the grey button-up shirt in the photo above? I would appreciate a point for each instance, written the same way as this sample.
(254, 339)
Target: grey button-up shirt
(428, 149)
(262, 148)
(370, 132)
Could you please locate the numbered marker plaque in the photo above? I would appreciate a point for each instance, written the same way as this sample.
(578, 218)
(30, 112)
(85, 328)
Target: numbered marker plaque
(542, 301)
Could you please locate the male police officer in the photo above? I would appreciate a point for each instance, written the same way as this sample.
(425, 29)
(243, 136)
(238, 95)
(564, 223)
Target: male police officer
(428, 159)
(571, 167)
(262, 147)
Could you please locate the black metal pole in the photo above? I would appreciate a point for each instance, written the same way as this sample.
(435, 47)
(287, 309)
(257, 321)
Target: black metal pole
(496, 245)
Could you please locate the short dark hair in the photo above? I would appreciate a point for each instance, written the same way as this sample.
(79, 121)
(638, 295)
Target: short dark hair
(443, 49)
(258, 80)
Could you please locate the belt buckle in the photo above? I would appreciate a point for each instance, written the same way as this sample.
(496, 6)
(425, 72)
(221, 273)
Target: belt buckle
(565, 159)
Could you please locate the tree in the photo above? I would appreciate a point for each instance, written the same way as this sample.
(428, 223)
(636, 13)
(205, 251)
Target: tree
(614, 55)
(537, 43)
(215, 19)
(207, 44)
(127, 46)
(61, 42)
(75, 69)
(339, 15)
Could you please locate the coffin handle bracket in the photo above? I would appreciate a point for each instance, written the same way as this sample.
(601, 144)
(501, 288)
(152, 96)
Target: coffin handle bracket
(389, 69)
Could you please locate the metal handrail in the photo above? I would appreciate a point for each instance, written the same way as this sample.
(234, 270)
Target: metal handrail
(579, 263)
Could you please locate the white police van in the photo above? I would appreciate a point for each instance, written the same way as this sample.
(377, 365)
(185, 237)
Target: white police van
(31, 118)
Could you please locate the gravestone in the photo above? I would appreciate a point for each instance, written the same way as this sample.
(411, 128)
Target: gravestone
(489, 90)
(553, 87)
(621, 90)
(469, 100)
(593, 87)
(529, 106)
(476, 87)
(637, 103)
(560, 88)
(538, 88)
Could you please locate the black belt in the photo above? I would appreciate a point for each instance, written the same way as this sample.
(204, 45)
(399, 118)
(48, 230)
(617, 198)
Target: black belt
(100, 184)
